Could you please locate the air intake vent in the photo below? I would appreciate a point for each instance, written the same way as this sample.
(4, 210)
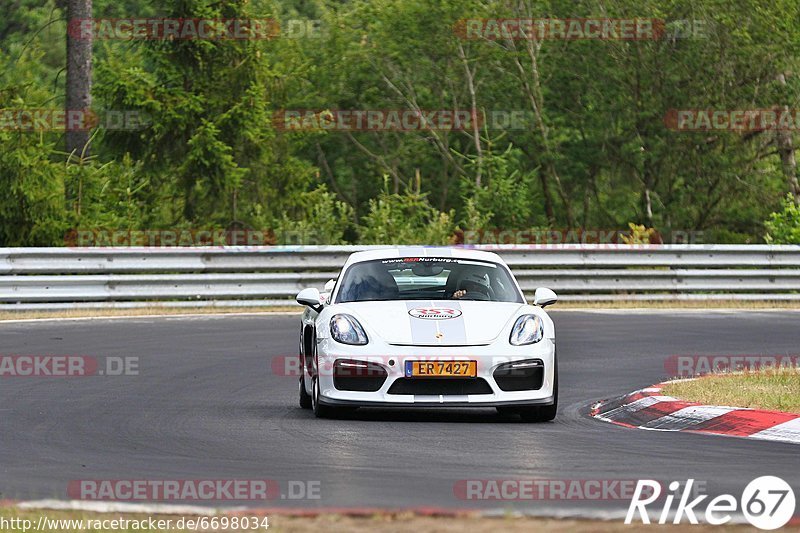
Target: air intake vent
(359, 376)
(520, 375)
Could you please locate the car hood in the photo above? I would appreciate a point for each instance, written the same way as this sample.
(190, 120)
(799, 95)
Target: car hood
(435, 322)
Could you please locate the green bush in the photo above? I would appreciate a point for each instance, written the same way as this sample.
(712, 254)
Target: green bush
(783, 227)
(407, 218)
(506, 199)
(32, 210)
(319, 219)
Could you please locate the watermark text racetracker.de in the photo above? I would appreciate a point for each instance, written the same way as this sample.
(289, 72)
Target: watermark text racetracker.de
(579, 29)
(193, 29)
(194, 490)
(504, 238)
(179, 237)
(737, 120)
(371, 366)
(689, 365)
(31, 120)
(55, 366)
(545, 489)
(401, 120)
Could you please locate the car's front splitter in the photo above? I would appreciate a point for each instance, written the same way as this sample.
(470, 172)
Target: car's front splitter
(438, 405)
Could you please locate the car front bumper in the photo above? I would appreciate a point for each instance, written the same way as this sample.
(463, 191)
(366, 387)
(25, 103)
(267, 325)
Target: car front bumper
(392, 360)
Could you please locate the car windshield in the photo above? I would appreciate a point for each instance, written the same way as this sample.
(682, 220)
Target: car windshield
(428, 278)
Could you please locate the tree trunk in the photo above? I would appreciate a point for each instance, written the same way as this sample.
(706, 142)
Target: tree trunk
(549, 211)
(476, 134)
(788, 161)
(785, 142)
(79, 76)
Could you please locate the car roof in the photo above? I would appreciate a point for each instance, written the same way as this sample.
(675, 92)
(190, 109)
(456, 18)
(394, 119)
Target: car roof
(424, 251)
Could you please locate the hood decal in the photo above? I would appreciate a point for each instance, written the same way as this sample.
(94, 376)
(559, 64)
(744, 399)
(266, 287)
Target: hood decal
(437, 331)
(435, 313)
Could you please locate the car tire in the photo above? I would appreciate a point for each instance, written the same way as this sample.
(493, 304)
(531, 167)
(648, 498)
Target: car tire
(326, 411)
(305, 398)
(320, 410)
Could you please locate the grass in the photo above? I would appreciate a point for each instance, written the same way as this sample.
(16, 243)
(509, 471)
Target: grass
(145, 311)
(774, 389)
(676, 304)
(390, 522)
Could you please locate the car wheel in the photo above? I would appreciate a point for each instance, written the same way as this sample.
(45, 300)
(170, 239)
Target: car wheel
(305, 398)
(320, 411)
(326, 411)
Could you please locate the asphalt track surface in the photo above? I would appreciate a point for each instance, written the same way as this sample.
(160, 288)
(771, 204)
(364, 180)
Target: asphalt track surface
(207, 405)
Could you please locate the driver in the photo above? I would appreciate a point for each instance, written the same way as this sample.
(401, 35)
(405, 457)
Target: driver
(479, 282)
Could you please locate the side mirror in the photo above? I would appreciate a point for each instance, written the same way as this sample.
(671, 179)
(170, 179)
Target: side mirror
(311, 298)
(326, 292)
(544, 297)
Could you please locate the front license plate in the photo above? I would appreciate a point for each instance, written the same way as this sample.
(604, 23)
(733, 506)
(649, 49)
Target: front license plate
(443, 369)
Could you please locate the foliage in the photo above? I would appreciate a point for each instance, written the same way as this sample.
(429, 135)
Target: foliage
(783, 227)
(638, 234)
(406, 218)
(319, 219)
(593, 150)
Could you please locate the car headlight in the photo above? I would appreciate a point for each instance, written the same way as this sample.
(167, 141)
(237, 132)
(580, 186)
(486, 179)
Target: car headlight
(347, 330)
(528, 329)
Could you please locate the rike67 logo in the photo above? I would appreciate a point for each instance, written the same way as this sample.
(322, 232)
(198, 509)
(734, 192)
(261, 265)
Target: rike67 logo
(767, 502)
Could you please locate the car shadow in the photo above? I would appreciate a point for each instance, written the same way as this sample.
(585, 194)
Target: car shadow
(451, 415)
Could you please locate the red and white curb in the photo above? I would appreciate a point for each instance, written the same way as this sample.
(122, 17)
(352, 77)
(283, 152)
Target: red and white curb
(649, 409)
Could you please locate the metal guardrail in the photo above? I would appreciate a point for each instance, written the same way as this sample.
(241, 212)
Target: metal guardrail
(52, 278)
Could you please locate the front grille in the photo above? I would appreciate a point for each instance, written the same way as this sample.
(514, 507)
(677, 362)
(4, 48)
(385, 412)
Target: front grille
(443, 386)
(520, 375)
(359, 376)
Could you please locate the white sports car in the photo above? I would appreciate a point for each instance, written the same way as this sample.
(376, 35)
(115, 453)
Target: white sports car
(427, 327)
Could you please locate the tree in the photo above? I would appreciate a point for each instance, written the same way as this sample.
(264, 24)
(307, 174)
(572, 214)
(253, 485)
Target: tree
(79, 74)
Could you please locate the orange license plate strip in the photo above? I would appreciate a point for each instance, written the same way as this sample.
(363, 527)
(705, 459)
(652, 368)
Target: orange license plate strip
(444, 369)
